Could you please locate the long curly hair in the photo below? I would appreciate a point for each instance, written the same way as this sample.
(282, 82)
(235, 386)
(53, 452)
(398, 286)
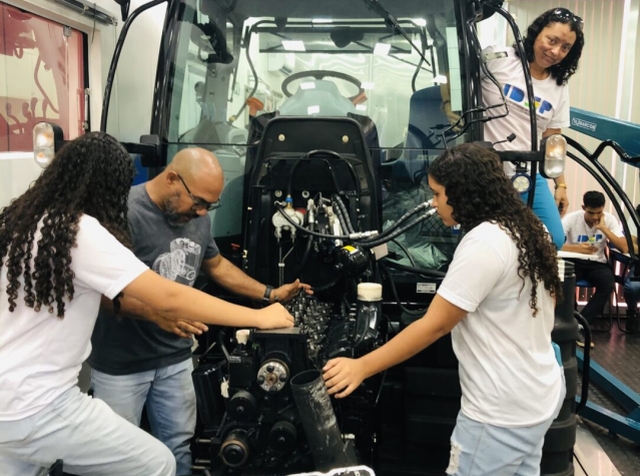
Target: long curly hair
(478, 190)
(90, 175)
(562, 71)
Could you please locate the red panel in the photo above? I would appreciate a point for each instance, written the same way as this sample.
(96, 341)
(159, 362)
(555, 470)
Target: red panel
(44, 77)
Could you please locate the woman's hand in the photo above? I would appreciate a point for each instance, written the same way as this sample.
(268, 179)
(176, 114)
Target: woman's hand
(343, 375)
(179, 327)
(275, 316)
(562, 201)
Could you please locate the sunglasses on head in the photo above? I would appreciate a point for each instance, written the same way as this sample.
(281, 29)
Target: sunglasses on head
(566, 15)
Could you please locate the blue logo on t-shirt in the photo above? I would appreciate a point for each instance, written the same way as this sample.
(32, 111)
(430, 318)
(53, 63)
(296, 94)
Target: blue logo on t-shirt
(518, 95)
(590, 239)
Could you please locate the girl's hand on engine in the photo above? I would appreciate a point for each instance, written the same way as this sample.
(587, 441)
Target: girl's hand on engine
(342, 376)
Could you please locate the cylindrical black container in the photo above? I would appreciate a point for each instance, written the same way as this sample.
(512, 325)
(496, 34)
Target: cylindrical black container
(319, 422)
(557, 452)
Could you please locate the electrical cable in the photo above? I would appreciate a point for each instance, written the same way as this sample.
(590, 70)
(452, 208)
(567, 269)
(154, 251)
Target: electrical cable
(246, 41)
(471, 29)
(406, 252)
(394, 291)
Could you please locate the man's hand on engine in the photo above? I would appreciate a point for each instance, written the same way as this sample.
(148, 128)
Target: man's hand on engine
(287, 292)
(342, 376)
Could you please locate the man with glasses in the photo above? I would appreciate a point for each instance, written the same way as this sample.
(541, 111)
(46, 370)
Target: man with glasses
(136, 363)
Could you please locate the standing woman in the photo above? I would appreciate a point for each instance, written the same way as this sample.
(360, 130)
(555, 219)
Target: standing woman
(62, 246)
(500, 319)
(553, 45)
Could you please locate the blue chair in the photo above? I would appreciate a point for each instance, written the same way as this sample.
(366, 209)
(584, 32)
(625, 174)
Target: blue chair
(427, 121)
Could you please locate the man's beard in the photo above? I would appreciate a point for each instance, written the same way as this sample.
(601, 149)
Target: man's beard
(175, 218)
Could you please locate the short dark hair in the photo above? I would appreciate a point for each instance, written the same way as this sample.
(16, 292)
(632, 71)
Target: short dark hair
(593, 199)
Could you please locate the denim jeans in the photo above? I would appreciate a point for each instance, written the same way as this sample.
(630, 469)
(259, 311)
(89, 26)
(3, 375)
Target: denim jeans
(480, 449)
(87, 435)
(631, 291)
(170, 400)
(545, 208)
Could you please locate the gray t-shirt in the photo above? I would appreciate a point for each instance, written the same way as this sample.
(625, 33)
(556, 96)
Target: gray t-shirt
(123, 346)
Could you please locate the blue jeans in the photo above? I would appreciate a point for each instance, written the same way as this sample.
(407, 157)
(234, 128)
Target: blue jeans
(545, 208)
(87, 435)
(631, 291)
(170, 400)
(480, 449)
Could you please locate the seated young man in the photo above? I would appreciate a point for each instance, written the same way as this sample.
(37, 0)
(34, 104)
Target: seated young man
(588, 231)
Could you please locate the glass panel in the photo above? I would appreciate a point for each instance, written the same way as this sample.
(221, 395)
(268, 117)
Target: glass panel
(42, 78)
(254, 60)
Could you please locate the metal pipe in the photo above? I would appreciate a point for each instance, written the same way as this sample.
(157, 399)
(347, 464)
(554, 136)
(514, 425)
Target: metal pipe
(319, 422)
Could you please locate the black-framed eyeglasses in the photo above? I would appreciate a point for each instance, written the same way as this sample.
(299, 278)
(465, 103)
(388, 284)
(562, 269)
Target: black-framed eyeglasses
(199, 203)
(567, 15)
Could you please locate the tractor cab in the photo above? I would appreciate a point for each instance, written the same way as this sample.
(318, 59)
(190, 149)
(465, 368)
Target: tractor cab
(325, 117)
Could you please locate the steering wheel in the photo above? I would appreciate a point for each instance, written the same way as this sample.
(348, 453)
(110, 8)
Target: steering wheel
(320, 74)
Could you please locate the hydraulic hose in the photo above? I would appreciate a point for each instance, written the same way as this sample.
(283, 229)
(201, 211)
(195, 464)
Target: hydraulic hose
(343, 209)
(415, 210)
(383, 238)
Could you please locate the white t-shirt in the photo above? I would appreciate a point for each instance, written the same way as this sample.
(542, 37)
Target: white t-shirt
(552, 102)
(508, 370)
(41, 355)
(577, 231)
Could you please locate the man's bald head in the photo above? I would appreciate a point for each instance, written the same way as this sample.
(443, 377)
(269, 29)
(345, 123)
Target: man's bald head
(193, 179)
(195, 164)
(200, 170)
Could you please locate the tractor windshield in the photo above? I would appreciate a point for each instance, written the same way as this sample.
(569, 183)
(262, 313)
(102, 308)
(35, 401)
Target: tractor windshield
(238, 64)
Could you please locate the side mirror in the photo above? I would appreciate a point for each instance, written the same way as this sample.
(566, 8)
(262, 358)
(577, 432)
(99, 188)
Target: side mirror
(46, 138)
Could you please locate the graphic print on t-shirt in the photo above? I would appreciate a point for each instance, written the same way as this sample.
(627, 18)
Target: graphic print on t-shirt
(179, 264)
(597, 238)
(519, 96)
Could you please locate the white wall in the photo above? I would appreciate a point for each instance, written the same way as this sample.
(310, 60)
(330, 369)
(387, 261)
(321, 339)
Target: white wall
(139, 57)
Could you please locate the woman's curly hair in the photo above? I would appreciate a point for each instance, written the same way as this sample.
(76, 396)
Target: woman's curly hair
(562, 71)
(478, 190)
(90, 175)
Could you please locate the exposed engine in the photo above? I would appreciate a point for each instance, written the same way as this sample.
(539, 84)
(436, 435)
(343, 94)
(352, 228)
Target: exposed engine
(312, 214)
(265, 407)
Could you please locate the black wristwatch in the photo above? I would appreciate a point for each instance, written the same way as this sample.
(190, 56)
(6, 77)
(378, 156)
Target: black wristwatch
(267, 293)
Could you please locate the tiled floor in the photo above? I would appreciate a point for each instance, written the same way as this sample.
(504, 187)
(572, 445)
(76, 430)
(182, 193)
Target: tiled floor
(620, 355)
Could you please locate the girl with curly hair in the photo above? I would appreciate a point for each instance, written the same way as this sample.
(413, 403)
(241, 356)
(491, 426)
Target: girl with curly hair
(497, 300)
(63, 245)
(553, 45)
